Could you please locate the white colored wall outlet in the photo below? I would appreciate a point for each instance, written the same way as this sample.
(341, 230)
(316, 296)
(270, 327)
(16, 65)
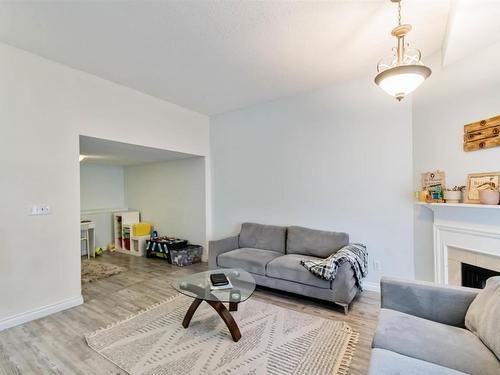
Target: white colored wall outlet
(38, 210)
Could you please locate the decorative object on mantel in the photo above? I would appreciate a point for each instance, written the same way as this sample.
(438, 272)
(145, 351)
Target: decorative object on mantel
(435, 194)
(403, 71)
(433, 184)
(433, 178)
(422, 195)
(453, 195)
(477, 182)
(482, 134)
(490, 193)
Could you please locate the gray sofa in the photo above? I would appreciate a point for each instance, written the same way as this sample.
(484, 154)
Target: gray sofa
(421, 330)
(272, 254)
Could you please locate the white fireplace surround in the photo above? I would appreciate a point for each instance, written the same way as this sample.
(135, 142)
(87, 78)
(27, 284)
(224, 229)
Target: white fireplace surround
(478, 241)
(472, 228)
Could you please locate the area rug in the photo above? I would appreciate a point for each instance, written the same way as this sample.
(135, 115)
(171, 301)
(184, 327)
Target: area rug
(93, 270)
(274, 341)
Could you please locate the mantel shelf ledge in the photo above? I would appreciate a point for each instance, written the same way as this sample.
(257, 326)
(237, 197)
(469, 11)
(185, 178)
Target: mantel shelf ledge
(432, 206)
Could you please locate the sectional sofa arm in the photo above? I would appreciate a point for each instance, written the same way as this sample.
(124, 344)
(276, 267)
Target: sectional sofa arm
(215, 248)
(440, 303)
(344, 287)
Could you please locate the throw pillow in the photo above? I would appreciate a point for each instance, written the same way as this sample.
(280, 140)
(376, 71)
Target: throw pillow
(483, 315)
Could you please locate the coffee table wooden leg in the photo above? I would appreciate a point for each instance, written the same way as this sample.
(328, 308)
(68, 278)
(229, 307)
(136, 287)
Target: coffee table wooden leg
(227, 318)
(233, 306)
(190, 312)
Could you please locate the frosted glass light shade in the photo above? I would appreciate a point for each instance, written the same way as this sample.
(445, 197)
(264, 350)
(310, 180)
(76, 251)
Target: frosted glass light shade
(402, 80)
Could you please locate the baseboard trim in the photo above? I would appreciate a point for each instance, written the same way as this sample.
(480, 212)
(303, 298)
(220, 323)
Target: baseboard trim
(374, 287)
(40, 312)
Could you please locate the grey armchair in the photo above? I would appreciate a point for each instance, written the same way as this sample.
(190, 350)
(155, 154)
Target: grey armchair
(421, 331)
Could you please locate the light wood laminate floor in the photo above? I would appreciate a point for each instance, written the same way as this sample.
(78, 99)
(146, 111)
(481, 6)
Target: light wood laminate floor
(56, 345)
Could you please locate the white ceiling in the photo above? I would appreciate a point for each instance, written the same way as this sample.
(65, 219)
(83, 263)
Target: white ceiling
(102, 151)
(217, 56)
(473, 26)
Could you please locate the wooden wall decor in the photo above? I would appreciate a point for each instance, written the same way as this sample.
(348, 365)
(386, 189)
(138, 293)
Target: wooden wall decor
(482, 134)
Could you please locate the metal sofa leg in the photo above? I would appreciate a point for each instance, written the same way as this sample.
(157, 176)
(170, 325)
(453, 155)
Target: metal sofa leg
(345, 306)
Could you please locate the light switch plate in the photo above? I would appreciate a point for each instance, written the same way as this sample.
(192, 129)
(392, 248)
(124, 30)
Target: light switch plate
(38, 210)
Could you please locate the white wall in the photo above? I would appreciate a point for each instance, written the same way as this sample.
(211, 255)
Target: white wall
(102, 191)
(101, 186)
(337, 159)
(458, 94)
(171, 196)
(44, 106)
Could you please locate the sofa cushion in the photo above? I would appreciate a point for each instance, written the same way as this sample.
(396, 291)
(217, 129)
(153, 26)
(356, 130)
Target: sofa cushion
(441, 344)
(265, 237)
(288, 267)
(317, 243)
(483, 315)
(251, 260)
(385, 362)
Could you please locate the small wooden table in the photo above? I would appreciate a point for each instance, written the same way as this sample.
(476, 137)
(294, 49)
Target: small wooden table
(199, 287)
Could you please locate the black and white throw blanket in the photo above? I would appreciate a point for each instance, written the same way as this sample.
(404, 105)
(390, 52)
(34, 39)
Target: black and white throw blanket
(354, 253)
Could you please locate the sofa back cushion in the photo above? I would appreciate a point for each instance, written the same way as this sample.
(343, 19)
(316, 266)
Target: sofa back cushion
(483, 315)
(266, 237)
(317, 243)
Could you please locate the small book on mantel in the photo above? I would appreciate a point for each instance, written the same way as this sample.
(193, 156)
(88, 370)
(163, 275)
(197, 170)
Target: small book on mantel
(219, 281)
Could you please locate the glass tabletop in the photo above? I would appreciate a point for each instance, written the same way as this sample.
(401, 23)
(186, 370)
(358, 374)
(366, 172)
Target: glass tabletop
(199, 286)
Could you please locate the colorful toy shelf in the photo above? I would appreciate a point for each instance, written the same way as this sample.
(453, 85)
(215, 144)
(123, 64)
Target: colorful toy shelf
(122, 224)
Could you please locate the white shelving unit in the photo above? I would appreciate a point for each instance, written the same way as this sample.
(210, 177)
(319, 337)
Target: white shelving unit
(122, 227)
(138, 245)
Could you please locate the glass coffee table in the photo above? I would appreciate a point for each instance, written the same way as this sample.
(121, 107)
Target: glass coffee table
(199, 287)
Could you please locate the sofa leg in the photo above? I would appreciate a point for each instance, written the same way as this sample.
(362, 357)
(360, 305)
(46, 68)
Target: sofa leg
(345, 306)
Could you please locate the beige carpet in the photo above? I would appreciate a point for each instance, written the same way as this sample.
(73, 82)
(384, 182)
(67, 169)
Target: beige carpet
(274, 341)
(93, 270)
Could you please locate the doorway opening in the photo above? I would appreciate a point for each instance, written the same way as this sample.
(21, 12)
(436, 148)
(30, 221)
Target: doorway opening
(130, 194)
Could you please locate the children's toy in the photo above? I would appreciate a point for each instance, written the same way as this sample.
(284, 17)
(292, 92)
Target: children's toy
(153, 235)
(161, 246)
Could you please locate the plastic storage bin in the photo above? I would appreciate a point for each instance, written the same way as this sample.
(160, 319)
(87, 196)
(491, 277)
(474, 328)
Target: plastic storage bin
(141, 229)
(186, 256)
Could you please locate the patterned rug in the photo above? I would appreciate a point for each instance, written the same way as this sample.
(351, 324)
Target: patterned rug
(93, 270)
(274, 341)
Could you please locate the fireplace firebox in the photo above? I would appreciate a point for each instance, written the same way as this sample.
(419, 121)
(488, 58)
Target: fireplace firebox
(475, 277)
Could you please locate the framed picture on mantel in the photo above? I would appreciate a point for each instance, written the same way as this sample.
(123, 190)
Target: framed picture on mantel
(477, 179)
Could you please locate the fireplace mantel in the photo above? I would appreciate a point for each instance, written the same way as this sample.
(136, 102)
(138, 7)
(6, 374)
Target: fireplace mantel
(471, 227)
(433, 206)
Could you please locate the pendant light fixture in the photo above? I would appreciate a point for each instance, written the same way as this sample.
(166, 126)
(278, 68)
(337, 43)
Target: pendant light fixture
(403, 72)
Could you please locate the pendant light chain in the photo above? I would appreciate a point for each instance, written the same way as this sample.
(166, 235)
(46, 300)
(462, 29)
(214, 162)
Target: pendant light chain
(399, 13)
